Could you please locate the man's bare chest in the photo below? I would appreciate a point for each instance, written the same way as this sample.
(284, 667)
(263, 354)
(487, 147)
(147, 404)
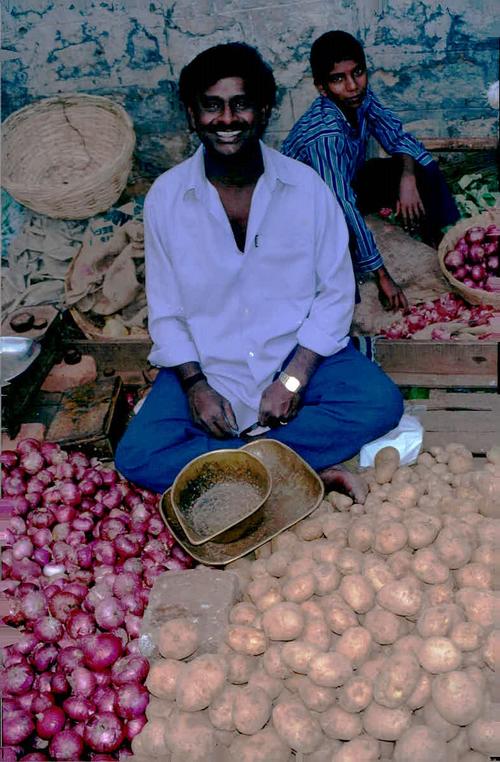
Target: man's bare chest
(236, 203)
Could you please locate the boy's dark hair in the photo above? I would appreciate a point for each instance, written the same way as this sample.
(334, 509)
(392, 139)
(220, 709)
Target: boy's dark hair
(233, 59)
(331, 48)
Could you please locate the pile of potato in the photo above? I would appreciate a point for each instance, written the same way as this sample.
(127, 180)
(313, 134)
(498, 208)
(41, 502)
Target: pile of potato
(366, 632)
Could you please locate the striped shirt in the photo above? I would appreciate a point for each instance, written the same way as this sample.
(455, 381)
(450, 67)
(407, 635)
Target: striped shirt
(324, 139)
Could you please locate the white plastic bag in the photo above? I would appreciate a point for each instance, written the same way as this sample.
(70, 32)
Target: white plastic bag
(407, 438)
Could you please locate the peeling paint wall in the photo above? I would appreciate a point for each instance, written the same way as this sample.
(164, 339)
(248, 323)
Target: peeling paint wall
(431, 61)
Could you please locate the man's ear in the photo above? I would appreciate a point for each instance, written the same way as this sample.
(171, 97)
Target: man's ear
(320, 88)
(191, 118)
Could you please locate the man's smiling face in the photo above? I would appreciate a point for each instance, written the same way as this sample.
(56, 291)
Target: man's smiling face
(226, 119)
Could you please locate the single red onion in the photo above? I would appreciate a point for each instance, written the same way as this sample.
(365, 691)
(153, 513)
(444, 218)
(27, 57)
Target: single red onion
(48, 629)
(101, 650)
(9, 459)
(14, 505)
(42, 701)
(50, 722)
(69, 658)
(105, 698)
(13, 485)
(82, 681)
(44, 656)
(134, 726)
(454, 259)
(34, 605)
(79, 708)
(62, 604)
(155, 525)
(25, 569)
(79, 624)
(16, 727)
(66, 745)
(18, 679)
(133, 565)
(32, 462)
(26, 643)
(126, 583)
(104, 732)
(109, 613)
(132, 700)
(475, 234)
(129, 669)
(59, 684)
(103, 678)
(104, 552)
(41, 556)
(108, 475)
(127, 546)
(493, 263)
(133, 604)
(17, 526)
(478, 273)
(133, 625)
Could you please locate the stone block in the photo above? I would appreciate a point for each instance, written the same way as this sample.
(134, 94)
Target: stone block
(203, 595)
(63, 376)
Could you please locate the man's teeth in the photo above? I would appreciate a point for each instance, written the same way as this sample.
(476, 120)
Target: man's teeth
(228, 135)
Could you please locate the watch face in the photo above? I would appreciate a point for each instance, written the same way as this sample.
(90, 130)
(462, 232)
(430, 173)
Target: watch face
(292, 384)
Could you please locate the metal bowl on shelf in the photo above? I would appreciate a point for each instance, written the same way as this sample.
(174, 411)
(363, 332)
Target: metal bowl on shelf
(16, 355)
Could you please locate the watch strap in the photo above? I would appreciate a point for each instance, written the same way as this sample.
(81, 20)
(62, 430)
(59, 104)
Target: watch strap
(190, 381)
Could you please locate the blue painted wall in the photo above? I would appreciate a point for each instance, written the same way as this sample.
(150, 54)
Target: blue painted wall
(433, 61)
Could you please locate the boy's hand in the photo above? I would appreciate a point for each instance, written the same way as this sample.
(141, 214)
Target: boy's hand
(409, 204)
(390, 293)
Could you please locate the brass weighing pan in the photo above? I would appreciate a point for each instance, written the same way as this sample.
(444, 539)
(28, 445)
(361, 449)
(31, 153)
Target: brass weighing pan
(220, 495)
(296, 492)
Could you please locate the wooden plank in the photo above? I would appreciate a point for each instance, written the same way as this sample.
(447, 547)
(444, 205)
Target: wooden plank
(439, 363)
(477, 442)
(435, 381)
(441, 400)
(459, 144)
(459, 420)
(116, 355)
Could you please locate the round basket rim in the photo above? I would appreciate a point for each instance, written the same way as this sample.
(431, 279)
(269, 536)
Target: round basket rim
(126, 148)
(471, 295)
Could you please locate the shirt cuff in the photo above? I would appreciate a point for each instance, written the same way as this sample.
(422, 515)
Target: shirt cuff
(310, 337)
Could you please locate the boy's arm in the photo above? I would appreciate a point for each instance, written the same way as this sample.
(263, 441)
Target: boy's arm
(327, 157)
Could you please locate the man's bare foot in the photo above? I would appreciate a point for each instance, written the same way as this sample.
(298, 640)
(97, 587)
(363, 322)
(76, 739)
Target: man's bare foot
(340, 479)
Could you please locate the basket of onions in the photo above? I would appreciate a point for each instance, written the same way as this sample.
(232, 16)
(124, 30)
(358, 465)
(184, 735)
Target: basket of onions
(469, 256)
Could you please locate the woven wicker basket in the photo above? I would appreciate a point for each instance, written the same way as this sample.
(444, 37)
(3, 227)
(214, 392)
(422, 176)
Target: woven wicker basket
(471, 295)
(68, 157)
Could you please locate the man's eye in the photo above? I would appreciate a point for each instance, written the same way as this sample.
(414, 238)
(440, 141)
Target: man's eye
(241, 104)
(212, 107)
(359, 72)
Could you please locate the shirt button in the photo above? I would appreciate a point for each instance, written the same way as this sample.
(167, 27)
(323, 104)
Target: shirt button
(250, 354)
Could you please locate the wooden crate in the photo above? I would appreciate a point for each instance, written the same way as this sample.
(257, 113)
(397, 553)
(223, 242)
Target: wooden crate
(471, 419)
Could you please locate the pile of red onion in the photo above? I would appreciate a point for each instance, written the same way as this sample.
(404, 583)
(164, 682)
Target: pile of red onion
(445, 309)
(79, 558)
(475, 260)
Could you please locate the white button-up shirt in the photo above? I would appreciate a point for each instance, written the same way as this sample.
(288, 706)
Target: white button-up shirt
(240, 314)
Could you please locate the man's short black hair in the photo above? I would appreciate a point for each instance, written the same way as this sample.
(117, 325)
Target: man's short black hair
(331, 48)
(233, 59)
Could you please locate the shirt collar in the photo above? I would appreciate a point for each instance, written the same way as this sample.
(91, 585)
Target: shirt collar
(276, 168)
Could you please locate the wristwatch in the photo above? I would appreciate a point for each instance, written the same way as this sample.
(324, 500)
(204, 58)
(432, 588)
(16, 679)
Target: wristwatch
(290, 382)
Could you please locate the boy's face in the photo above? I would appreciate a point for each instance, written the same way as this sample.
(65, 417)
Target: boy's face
(225, 118)
(345, 85)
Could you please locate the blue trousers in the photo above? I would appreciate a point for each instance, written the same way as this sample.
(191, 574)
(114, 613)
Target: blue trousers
(349, 401)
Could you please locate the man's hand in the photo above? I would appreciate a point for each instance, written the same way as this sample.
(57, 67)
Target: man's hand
(211, 411)
(278, 405)
(391, 295)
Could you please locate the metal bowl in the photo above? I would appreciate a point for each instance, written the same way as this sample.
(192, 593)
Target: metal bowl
(220, 496)
(16, 355)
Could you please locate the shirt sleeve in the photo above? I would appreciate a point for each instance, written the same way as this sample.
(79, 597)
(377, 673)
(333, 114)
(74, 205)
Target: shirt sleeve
(172, 341)
(387, 128)
(326, 328)
(328, 157)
